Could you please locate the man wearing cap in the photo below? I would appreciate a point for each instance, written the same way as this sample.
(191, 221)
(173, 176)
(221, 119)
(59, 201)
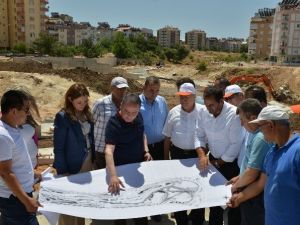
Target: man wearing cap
(179, 132)
(252, 210)
(102, 110)
(220, 127)
(280, 178)
(234, 95)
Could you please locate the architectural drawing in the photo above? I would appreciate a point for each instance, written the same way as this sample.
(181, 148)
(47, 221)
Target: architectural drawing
(173, 191)
(151, 188)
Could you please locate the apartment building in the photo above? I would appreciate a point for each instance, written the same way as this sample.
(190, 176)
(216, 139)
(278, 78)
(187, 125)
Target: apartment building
(212, 43)
(260, 37)
(21, 21)
(230, 44)
(196, 39)
(286, 31)
(168, 36)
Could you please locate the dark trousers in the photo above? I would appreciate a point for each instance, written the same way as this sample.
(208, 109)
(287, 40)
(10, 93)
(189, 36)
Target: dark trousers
(253, 211)
(13, 212)
(99, 162)
(196, 215)
(157, 150)
(228, 170)
(137, 221)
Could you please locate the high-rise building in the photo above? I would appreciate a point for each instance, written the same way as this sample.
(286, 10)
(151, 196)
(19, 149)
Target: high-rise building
(21, 21)
(260, 38)
(196, 39)
(168, 36)
(286, 31)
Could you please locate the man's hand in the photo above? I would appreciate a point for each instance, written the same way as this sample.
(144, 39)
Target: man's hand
(115, 185)
(235, 200)
(203, 163)
(147, 156)
(233, 182)
(32, 205)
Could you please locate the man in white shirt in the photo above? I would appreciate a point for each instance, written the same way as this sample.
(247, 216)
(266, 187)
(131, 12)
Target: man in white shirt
(17, 206)
(179, 132)
(220, 128)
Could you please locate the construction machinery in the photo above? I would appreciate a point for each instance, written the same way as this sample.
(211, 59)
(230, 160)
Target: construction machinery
(254, 79)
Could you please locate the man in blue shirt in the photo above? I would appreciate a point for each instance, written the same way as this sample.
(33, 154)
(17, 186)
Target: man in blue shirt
(280, 176)
(252, 210)
(154, 110)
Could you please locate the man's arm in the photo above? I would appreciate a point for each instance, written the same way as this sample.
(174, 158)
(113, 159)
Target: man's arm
(167, 145)
(250, 192)
(249, 176)
(13, 184)
(147, 155)
(115, 182)
(236, 138)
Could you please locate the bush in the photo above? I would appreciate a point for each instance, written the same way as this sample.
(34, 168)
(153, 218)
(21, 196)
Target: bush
(201, 66)
(20, 48)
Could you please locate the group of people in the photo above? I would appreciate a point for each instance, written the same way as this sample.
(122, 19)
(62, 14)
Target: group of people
(250, 143)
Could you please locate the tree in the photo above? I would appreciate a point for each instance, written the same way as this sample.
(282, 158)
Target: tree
(121, 46)
(45, 44)
(89, 49)
(20, 48)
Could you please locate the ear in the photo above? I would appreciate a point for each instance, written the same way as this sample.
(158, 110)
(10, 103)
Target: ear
(70, 99)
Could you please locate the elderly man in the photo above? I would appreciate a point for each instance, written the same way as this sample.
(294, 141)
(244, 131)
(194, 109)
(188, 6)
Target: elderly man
(125, 143)
(234, 95)
(179, 131)
(221, 128)
(252, 210)
(17, 206)
(281, 170)
(102, 110)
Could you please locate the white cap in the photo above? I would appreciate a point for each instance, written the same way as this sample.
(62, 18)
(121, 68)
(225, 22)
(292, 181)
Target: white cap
(232, 89)
(186, 89)
(271, 112)
(119, 82)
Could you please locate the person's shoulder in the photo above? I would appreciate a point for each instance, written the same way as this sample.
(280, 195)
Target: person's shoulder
(102, 101)
(176, 109)
(199, 107)
(160, 98)
(4, 134)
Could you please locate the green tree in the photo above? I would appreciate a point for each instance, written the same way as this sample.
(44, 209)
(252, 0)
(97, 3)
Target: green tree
(20, 48)
(45, 44)
(181, 53)
(121, 47)
(89, 49)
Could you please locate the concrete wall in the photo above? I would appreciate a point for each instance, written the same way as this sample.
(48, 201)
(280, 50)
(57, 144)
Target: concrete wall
(100, 65)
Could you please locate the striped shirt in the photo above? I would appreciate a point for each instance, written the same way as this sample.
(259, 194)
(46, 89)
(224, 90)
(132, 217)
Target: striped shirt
(102, 110)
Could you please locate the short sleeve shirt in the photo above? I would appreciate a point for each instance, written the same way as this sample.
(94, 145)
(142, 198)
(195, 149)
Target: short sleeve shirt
(128, 139)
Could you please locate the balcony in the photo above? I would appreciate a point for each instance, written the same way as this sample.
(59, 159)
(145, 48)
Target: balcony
(44, 9)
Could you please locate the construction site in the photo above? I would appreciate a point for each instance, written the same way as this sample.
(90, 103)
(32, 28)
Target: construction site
(48, 85)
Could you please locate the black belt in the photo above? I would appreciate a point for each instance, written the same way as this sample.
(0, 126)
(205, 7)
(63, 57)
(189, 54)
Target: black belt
(156, 144)
(185, 151)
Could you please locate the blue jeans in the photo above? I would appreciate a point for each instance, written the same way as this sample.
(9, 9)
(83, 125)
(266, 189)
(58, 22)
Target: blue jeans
(13, 212)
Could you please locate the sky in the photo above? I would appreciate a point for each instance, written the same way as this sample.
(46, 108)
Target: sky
(218, 18)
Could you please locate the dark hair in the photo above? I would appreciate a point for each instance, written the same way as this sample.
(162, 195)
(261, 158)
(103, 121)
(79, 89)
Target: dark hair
(184, 80)
(13, 99)
(213, 91)
(223, 82)
(75, 91)
(131, 98)
(250, 107)
(152, 80)
(34, 116)
(256, 92)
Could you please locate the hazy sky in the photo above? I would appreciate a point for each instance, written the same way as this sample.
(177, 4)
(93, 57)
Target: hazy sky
(218, 18)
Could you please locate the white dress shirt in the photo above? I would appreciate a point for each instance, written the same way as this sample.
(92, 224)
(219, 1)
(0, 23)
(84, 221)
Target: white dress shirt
(180, 126)
(224, 133)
